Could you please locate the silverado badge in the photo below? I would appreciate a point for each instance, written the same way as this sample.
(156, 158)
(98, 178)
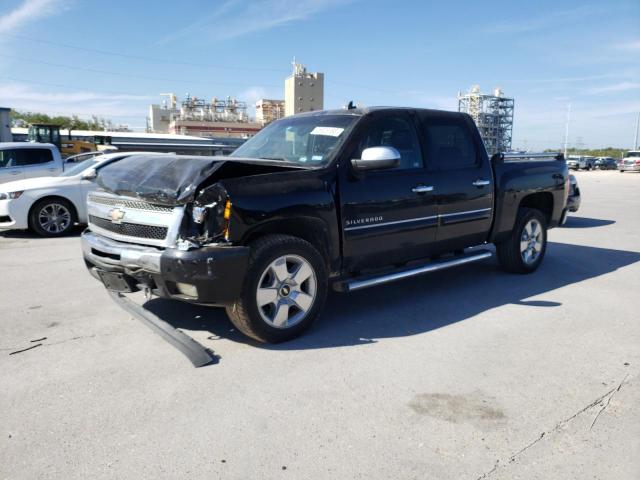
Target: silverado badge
(116, 215)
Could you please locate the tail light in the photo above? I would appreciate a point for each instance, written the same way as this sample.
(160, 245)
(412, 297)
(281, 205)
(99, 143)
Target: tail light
(637, 162)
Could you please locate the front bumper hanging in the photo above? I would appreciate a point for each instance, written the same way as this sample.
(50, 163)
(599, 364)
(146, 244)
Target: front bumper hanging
(196, 353)
(209, 275)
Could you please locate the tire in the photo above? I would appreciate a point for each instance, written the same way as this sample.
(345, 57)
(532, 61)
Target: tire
(516, 257)
(289, 307)
(52, 217)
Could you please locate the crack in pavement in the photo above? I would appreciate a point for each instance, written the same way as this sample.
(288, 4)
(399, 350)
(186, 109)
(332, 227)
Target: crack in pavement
(79, 337)
(512, 458)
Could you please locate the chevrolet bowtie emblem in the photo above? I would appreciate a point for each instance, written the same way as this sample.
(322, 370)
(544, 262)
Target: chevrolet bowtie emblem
(116, 215)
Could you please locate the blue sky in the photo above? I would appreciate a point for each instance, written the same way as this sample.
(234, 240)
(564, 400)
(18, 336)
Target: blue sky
(114, 57)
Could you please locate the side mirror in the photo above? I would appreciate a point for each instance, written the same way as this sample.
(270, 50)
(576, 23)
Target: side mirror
(89, 174)
(377, 158)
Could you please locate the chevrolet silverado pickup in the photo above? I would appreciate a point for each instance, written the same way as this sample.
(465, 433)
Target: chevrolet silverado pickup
(342, 199)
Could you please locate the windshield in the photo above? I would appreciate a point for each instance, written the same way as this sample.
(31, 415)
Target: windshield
(632, 154)
(76, 169)
(305, 140)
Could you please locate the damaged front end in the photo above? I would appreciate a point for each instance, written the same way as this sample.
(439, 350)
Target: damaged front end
(165, 231)
(206, 219)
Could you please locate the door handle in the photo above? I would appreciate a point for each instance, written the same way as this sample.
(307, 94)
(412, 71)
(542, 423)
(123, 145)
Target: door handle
(422, 189)
(481, 183)
(15, 173)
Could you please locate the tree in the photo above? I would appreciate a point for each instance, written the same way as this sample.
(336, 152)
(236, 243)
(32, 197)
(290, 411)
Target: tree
(73, 122)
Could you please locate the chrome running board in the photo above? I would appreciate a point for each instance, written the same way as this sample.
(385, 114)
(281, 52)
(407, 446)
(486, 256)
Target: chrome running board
(351, 285)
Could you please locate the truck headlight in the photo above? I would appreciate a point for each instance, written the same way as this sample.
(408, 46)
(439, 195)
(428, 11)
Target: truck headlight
(199, 212)
(210, 215)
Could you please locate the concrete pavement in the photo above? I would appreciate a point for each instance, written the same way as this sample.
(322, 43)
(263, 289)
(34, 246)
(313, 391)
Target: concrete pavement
(464, 374)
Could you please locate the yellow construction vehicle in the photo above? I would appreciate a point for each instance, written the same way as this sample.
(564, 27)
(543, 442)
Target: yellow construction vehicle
(50, 133)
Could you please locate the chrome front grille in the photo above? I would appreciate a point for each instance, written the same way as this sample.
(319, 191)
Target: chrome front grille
(135, 204)
(130, 220)
(152, 232)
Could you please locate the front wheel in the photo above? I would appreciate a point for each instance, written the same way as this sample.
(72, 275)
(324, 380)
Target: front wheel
(52, 217)
(283, 292)
(524, 250)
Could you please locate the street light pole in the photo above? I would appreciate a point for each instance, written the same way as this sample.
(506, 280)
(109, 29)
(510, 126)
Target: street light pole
(635, 140)
(566, 131)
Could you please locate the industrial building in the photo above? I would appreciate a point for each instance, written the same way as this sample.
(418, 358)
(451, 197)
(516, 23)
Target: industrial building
(197, 117)
(303, 91)
(493, 115)
(269, 110)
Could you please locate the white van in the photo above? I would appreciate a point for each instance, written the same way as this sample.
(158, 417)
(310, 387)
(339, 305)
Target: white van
(20, 160)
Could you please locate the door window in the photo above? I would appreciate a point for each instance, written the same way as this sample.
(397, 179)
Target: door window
(8, 158)
(449, 146)
(395, 131)
(34, 156)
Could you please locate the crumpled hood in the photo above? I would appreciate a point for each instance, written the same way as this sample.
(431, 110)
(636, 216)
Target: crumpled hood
(168, 179)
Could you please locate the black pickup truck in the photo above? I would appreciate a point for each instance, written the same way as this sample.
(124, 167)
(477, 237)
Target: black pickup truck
(345, 199)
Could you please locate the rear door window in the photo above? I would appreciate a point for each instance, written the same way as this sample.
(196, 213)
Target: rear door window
(8, 158)
(449, 145)
(34, 156)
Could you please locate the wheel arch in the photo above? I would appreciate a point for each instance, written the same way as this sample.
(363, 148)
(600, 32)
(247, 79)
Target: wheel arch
(311, 230)
(53, 197)
(542, 201)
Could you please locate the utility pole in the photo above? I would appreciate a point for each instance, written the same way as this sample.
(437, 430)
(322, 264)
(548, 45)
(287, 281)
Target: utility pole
(566, 130)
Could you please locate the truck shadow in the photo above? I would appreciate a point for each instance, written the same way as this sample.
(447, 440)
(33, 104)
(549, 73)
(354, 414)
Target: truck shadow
(29, 235)
(421, 304)
(584, 222)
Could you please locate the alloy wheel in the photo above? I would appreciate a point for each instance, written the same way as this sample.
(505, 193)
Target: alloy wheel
(54, 218)
(286, 291)
(531, 241)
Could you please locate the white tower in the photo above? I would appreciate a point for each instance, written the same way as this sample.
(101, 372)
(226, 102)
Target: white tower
(303, 91)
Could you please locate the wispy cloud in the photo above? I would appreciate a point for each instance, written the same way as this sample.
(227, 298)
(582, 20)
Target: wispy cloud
(633, 46)
(558, 18)
(26, 12)
(236, 18)
(82, 103)
(614, 87)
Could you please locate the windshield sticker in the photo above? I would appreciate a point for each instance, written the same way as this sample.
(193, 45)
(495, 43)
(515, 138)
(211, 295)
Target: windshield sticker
(327, 131)
(316, 158)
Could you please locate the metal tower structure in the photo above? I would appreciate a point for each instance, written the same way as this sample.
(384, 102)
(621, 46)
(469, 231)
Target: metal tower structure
(493, 115)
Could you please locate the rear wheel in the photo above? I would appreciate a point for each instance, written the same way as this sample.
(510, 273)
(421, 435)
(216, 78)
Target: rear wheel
(52, 217)
(284, 289)
(524, 250)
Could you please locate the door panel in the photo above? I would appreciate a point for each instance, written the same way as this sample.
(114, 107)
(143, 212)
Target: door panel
(463, 180)
(392, 224)
(389, 216)
(465, 209)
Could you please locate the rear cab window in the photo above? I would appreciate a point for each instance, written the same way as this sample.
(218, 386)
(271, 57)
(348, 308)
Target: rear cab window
(448, 144)
(33, 156)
